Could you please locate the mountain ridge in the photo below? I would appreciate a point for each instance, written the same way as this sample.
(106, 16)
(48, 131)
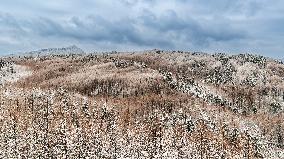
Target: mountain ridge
(73, 49)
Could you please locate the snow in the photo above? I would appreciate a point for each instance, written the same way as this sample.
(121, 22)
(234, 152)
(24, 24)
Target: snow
(13, 73)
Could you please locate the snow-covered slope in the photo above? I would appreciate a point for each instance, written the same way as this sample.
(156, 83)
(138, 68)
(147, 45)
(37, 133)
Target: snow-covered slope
(11, 72)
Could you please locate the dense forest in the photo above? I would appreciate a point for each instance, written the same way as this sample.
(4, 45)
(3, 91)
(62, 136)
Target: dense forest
(150, 104)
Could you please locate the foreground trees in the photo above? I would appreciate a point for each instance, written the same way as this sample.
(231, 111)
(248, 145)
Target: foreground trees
(46, 124)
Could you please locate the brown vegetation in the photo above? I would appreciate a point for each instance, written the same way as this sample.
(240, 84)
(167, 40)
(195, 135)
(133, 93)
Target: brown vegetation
(148, 105)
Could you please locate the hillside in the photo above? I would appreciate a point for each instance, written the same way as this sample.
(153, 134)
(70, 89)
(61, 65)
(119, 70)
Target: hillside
(151, 104)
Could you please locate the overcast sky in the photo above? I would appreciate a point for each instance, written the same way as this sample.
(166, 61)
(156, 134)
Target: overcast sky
(232, 26)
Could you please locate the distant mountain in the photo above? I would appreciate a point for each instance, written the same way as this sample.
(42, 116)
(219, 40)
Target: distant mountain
(55, 51)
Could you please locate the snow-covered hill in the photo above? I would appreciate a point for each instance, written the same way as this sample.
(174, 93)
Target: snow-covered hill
(151, 104)
(55, 51)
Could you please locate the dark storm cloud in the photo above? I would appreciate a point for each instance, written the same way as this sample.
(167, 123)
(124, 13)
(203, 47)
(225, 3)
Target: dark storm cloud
(192, 30)
(214, 26)
(95, 28)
